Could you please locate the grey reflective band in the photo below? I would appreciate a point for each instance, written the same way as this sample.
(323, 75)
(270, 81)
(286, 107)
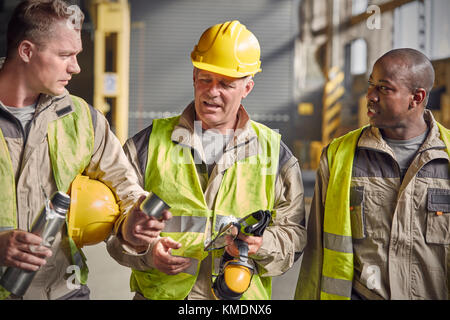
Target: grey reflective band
(337, 287)
(194, 223)
(338, 243)
(192, 269)
(6, 228)
(185, 224)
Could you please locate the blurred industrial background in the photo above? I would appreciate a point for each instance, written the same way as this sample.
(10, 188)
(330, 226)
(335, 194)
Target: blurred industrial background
(316, 59)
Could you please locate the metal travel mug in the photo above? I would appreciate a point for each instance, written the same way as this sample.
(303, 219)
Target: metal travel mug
(46, 225)
(154, 206)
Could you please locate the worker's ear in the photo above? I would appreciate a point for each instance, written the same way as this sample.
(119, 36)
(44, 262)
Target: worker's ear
(418, 97)
(248, 87)
(194, 75)
(25, 50)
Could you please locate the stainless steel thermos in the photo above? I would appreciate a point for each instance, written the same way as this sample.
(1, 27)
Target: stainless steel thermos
(154, 206)
(46, 225)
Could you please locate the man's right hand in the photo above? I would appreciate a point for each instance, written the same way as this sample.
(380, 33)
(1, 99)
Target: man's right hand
(22, 250)
(140, 230)
(163, 259)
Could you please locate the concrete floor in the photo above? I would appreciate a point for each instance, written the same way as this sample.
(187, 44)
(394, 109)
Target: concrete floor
(107, 280)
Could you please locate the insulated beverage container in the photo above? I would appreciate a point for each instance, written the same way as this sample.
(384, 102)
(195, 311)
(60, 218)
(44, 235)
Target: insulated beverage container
(153, 206)
(46, 225)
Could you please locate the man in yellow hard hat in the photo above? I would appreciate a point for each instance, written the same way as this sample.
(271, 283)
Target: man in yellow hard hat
(47, 138)
(379, 222)
(212, 165)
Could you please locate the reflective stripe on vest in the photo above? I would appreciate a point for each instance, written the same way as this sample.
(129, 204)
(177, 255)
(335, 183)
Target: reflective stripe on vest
(337, 272)
(171, 173)
(71, 143)
(194, 224)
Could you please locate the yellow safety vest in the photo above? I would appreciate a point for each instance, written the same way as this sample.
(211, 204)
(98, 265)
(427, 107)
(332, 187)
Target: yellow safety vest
(337, 271)
(71, 144)
(247, 186)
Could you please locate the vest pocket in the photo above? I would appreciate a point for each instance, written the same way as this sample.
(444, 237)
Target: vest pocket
(438, 216)
(357, 212)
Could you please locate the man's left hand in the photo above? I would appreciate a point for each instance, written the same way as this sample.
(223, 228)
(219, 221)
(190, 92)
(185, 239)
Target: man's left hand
(254, 243)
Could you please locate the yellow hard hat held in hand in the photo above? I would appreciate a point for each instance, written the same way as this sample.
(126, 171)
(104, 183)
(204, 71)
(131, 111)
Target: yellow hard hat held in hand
(229, 49)
(93, 211)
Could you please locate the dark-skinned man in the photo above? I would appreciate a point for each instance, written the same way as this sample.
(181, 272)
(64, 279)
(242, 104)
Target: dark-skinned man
(379, 222)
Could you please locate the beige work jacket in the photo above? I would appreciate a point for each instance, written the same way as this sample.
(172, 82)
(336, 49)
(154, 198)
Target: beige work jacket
(283, 242)
(35, 183)
(400, 242)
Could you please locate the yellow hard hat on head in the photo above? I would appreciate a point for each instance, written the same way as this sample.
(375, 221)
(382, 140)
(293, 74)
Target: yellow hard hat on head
(93, 211)
(228, 49)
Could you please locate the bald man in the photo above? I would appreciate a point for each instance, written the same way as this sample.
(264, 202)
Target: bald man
(380, 217)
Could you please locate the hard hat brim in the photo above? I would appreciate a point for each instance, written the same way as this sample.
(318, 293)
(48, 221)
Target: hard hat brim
(223, 71)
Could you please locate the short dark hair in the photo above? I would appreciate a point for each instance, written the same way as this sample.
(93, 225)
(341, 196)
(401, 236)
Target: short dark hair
(33, 20)
(420, 70)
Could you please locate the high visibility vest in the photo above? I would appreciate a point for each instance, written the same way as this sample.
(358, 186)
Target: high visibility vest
(337, 270)
(71, 144)
(247, 186)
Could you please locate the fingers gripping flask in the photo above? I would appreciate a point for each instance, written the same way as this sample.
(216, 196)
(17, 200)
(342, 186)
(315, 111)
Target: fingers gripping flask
(46, 225)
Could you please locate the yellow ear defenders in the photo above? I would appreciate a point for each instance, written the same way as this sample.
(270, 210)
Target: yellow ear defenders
(235, 274)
